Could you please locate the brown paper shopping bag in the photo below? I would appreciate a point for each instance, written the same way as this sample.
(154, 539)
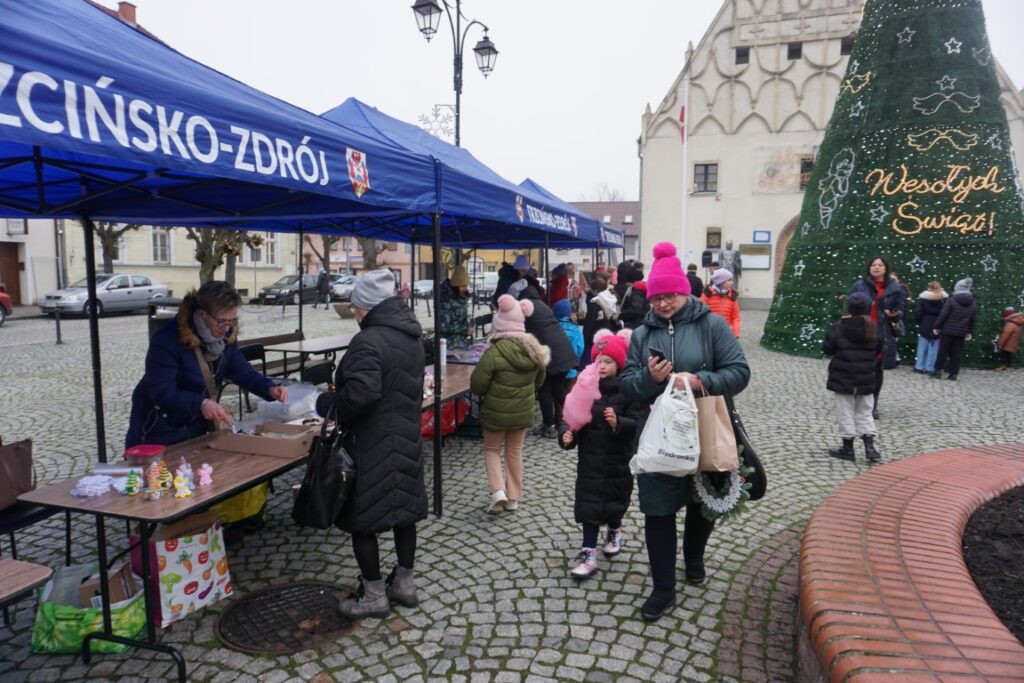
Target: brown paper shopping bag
(717, 439)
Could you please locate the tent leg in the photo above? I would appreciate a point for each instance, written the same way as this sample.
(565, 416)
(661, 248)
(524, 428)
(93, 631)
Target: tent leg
(438, 379)
(412, 278)
(94, 337)
(302, 356)
(547, 269)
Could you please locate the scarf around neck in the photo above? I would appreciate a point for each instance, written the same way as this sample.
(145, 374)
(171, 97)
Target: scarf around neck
(213, 346)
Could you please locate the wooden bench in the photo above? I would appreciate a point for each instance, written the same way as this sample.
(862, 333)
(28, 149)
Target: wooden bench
(18, 579)
(885, 594)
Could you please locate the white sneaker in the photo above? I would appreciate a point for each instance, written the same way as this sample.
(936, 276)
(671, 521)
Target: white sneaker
(585, 564)
(613, 543)
(498, 502)
(512, 505)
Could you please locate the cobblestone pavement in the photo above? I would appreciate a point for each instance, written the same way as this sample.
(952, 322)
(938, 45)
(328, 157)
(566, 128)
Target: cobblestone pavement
(496, 600)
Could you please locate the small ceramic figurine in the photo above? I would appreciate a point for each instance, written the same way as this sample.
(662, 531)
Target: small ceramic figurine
(205, 474)
(131, 487)
(181, 486)
(186, 470)
(165, 476)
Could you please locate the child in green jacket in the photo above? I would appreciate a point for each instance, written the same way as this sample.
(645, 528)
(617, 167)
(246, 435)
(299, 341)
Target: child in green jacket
(507, 377)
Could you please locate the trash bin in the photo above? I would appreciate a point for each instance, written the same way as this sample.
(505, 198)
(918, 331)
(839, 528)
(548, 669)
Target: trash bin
(160, 311)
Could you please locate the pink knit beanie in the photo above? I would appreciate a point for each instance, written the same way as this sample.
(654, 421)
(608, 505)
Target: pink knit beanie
(666, 276)
(510, 318)
(615, 346)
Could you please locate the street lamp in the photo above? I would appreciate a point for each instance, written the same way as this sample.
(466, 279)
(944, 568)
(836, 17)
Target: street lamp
(428, 18)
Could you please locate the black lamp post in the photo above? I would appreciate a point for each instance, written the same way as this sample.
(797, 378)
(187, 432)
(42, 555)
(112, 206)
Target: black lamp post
(428, 17)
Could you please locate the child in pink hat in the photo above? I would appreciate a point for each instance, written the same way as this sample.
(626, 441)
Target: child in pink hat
(601, 422)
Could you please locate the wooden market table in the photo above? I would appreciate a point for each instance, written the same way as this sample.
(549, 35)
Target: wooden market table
(454, 384)
(232, 473)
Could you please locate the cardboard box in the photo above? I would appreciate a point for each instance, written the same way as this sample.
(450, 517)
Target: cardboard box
(189, 526)
(272, 438)
(120, 581)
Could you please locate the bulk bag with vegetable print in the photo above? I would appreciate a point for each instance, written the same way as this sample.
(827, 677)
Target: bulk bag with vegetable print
(62, 624)
(190, 572)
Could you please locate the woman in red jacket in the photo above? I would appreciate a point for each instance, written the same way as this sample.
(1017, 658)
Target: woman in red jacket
(721, 298)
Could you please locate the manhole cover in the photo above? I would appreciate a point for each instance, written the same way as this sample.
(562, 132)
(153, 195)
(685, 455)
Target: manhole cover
(284, 619)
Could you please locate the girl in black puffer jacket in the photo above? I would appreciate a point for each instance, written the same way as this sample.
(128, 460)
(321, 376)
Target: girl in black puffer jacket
(601, 422)
(854, 344)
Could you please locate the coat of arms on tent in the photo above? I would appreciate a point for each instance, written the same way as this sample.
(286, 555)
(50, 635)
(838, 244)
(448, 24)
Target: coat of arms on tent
(357, 171)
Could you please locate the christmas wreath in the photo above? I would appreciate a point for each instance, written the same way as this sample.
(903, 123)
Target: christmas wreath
(728, 497)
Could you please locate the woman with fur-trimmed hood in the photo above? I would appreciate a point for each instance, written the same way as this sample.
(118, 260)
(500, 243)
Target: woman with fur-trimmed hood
(171, 402)
(508, 376)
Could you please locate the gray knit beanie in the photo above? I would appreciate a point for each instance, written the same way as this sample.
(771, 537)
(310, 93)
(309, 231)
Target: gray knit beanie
(372, 288)
(964, 285)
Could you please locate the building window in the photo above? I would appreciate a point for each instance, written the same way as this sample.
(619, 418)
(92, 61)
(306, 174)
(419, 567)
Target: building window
(705, 178)
(119, 253)
(17, 226)
(255, 254)
(607, 220)
(743, 55)
(632, 246)
(846, 47)
(806, 166)
(161, 246)
(628, 220)
(795, 51)
(270, 243)
(714, 240)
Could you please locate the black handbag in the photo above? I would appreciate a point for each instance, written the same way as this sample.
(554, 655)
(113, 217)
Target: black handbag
(899, 328)
(327, 484)
(757, 477)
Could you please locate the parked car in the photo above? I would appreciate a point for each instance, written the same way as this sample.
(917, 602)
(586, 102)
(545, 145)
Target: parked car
(6, 306)
(423, 289)
(287, 290)
(341, 287)
(114, 292)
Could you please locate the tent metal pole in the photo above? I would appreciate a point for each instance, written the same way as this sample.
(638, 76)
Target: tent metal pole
(547, 269)
(94, 336)
(438, 378)
(302, 356)
(412, 278)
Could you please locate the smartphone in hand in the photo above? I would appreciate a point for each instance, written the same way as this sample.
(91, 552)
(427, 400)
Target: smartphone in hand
(657, 353)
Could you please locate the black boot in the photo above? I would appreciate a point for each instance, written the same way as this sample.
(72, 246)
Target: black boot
(869, 449)
(845, 452)
(659, 602)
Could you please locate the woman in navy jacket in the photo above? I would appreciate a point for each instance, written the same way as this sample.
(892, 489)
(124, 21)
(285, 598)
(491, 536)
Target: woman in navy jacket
(170, 404)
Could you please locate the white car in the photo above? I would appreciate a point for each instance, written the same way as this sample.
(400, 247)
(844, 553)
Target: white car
(341, 287)
(114, 292)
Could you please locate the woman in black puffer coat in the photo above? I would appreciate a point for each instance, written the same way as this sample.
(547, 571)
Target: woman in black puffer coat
(954, 326)
(889, 306)
(544, 326)
(379, 399)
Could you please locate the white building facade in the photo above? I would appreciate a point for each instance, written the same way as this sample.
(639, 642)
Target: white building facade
(756, 95)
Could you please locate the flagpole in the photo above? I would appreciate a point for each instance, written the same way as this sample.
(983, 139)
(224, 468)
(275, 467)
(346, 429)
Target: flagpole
(686, 150)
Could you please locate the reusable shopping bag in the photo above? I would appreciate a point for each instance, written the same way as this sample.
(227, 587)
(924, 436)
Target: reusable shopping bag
(61, 626)
(717, 438)
(670, 441)
(189, 573)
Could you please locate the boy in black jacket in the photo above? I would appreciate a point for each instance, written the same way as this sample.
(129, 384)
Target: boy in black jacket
(854, 344)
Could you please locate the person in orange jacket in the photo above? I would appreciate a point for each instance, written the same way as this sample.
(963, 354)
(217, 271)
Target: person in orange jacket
(1009, 339)
(722, 299)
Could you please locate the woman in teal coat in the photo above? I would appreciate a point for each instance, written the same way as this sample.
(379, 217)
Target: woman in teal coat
(701, 347)
(508, 376)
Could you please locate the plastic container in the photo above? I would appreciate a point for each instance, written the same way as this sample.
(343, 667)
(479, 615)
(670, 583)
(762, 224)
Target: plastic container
(144, 453)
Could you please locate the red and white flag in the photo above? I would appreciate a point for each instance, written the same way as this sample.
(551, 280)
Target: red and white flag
(682, 123)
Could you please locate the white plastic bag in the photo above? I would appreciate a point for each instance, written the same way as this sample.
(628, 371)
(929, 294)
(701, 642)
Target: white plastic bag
(301, 403)
(670, 442)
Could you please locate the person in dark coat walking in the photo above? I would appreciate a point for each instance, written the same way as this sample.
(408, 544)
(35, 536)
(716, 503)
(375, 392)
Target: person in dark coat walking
(699, 347)
(696, 284)
(634, 305)
(889, 307)
(543, 325)
(602, 428)
(379, 399)
(595, 318)
(506, 276)
(323, 289)
(954, 326)
(854, 344)
(926, 312)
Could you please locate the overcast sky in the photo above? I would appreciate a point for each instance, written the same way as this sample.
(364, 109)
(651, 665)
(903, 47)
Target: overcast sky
(563, 105)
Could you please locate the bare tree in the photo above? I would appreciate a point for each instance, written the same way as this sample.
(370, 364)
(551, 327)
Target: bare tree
(213, 246)
(110, 235)
(327, 242)
(603, 192)
(371, 248)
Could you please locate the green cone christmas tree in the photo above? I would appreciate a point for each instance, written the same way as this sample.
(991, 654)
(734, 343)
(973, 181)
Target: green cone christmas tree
(916, 166)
